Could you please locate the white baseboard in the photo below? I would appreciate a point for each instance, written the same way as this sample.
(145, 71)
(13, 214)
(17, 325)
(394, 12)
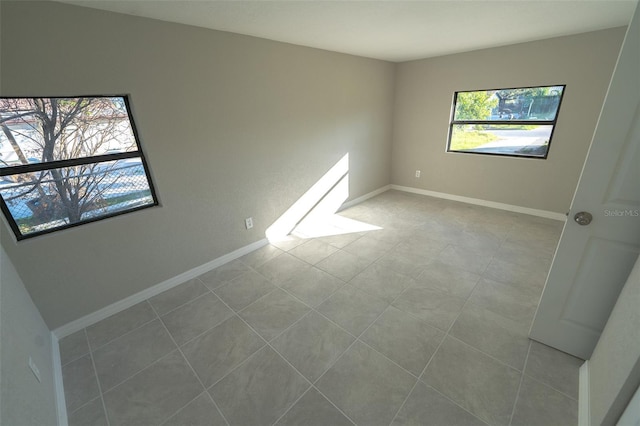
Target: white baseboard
(365, 197)
(123, 304)
(58, 386)
(484, 203)
(584, 418)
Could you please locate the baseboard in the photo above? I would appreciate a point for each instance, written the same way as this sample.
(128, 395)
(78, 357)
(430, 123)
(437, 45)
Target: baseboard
(584, 418)
(484, 203)
(58, 385)
(123, 304)
(365, 197)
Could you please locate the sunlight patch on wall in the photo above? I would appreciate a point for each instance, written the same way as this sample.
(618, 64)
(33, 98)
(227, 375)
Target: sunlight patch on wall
(314, 213)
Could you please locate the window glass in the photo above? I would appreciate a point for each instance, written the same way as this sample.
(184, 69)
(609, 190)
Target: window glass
(67, 161)
(513, 122)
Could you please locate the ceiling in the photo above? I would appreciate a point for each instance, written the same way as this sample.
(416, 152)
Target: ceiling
(391, 30)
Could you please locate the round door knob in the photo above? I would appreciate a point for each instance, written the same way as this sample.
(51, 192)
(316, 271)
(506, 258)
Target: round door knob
(583, 218)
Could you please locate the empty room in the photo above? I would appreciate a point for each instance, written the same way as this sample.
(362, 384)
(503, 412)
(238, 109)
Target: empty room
(319, 212)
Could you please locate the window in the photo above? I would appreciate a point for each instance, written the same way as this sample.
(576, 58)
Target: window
(69, 161)
(512, 122)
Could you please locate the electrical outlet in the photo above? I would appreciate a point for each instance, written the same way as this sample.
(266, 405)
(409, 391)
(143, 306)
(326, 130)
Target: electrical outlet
(417, 173)
(248, 222)
(34, 369)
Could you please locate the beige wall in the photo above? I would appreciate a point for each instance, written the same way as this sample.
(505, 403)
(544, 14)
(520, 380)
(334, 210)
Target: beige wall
(23, 334)
(233, 126)
(614, 367)
(424, 95)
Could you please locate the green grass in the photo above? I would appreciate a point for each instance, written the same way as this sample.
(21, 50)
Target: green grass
(461, 140)
(508, 126)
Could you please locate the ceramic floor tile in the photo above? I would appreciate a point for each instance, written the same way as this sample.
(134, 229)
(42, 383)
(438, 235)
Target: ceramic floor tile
(404, 339)
(283, 268)
(493, 334)
(441, 228)
(312, 345)
(426, 407)
(261, 256)
(420, 247)
(507, 300)
(410, 264)
(539, 405)
(366, 386)
(352, 309)
(128, 354)
(91, 414)
(313, 251)
(218, 351)
(538, 231)
(216, 277)
(368, 248)
(540, 237)
(153, 395)
(312, 286)
(120, 323)
(244, 290)
(381, 282)
(524, 255)
(259, 391)
(287, 243)
(341, 240)
(472, 260)
(313, 409)
(73, 347)
(196, 317)
(440, 246)
(177, 296)
(448, 279)
(80, 384)
(200, 412)
(436, 308)
(272, 314)
(478, 383)
(343, 265)
(483, 229)
(481, 239)
(554, 368)
(390, 235)
(522, 276)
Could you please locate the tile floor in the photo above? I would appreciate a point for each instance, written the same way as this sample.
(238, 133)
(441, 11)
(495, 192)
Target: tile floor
(421, 322)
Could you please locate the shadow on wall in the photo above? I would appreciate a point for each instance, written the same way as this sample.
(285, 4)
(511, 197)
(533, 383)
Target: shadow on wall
(314, 213)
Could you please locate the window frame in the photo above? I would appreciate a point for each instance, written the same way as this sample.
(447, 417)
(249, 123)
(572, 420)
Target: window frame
(552, 123)
(93, 159)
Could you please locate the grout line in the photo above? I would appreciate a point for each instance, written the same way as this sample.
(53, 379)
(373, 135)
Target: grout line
(192, 371)
(419, 376)
(515, 402)
(314, 309)
(92, 349)
(208, 290)
(293, 404)
(358, 340)
(446, 334)
(215, 404)
(95, 372)
(549, 386)
(306, 392)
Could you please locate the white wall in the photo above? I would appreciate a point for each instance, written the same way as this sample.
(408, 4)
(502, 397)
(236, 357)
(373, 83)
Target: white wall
(614, 367)
(424, 96)
(23, 334)
(232, 126)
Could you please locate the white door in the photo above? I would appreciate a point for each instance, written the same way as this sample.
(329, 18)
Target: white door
(593, 261)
